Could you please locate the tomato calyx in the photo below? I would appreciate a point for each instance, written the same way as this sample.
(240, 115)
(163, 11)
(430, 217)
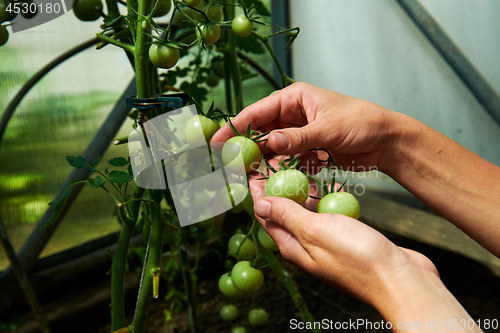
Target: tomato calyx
(251, 134)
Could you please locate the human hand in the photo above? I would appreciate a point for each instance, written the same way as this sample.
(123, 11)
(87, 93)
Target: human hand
(337, 249)
(302, 117)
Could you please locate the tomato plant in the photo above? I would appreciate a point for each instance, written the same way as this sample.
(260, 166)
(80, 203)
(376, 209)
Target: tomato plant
(200, 129)
(227, 287)
(242, 26)
(163, 56)
(241, 152)
(241, 247)
(87, 10)
(152, 41)
(258, 317)
(229, 312)
(339, 203)
(247, 278)
(291, 184)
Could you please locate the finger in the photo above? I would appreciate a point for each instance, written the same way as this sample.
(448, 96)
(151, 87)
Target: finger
(285, 213)
(288, 245)
(297, 140)
(285, 105)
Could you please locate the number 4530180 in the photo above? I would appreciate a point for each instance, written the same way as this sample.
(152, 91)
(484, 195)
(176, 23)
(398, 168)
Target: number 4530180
(33, 8)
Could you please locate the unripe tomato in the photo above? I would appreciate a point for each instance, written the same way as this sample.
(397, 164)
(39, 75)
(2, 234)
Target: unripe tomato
(258, 317)
(339, 203)
(163, 56)
(214, 13)
(4, 35)
(242, 26)
(162, 7)
(227, 287)
(241, 152)
(239, 329)
(4, 14)
(246, 247)
(200, 129)
(228, 312)
(291, 184)
(210, 33)
(87, 10)
(247, 278)
(266, 241)
(212, 80)
(240, 196)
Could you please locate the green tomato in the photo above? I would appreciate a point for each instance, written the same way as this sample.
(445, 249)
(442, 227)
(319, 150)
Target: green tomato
(266, 241)
(219, 69)
(247, 278)
(4, 14)
(227, 287)
(339, 203)
(210, 33)
(200, 129)
(212, 80)
(214, 13)
(162, 7)
(87, 10)
(258, 317)
(240, 196)
(181, 19)
(229, 312)
(239, 329)
(163, 56)
(4, 35)
(247, 151)
(242, 26)
(246, 246)
(291, 184)
(30, 9)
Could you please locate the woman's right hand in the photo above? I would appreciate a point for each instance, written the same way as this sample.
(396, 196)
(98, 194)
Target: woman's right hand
(302, 117)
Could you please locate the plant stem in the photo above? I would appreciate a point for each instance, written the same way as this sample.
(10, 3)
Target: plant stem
(285, 80)
(150, 268)
(127, 47)
(141, 52)
(187, 280)
(233, 61)
(289, 284)
(119, 261)
(117, 272)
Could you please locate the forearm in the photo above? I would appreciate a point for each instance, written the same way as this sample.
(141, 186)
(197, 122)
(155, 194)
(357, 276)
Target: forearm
(416, 301)
(453, 181)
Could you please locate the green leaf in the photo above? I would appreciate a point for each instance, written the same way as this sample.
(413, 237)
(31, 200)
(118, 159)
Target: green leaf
(120, 177)
(96, 182)
(96, 161)
(197, 92)
(118, 161)
(261, 8)
(77, 162)
(250, 45)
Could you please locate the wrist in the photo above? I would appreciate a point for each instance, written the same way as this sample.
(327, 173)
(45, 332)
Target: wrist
(414, 299)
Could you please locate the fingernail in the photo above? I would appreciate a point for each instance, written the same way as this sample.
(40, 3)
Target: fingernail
(262, 208)
(280, 139)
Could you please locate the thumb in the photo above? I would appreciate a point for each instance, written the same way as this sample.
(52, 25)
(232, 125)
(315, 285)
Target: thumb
(295, 140)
